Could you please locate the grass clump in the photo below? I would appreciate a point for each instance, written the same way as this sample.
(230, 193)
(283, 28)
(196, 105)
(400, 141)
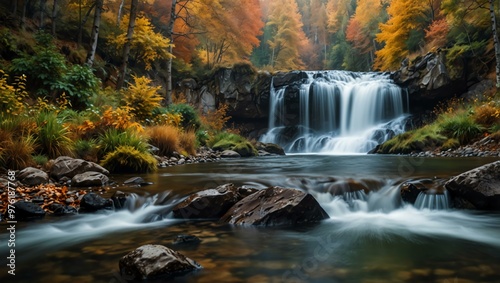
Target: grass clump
(53, 138)
(188, 142)
(461, 127)
(425, 138)
(111, 139)
(164, 137)
(127, 159)
(230, 141)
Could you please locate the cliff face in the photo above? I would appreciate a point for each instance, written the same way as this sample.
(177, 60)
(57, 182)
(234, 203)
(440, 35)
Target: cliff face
(426, 79)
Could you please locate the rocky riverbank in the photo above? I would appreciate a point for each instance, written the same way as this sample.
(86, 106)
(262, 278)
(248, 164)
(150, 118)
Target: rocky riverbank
(486, 147)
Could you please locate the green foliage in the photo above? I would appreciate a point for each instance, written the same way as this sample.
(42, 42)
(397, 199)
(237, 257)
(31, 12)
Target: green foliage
(461, 127)
(190, 119)
(202, 137)
(86, 149)
(7, 43)
(450, 144)
(12, 96)
(112, 138)
(40, 159)
(80, 83)
(127, 159)
(53, 137)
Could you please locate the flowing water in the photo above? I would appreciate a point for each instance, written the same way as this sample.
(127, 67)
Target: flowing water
(340, 112)
(371, 235)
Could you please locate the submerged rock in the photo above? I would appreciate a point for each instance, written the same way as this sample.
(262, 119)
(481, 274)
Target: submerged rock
(211, 203)
(26, 210)
(155, 261)
(186, 240)
(229, 154)
(478, 188)
(276, 206)
(92, 202)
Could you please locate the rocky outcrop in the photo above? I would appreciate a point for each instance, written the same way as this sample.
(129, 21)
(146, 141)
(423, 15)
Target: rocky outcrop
(478, 188)
(154, 262)
(32, 177)
(428, 81)
(211, 203)
(275, 206)
(89, 179)
(65, 166)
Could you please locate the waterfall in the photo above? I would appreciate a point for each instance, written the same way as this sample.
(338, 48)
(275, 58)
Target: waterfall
(338, 112)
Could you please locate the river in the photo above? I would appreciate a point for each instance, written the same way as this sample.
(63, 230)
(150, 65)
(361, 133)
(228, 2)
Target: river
(372, 237)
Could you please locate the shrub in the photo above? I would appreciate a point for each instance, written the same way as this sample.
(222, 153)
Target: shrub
(461, 127)
(79, 83)
(142, 98)
(111, 139)
(216, 119)
(486, 115)
(53, 138)
(164, 137)
(190, 119)
(126, 159)
(13, 95)
(202, 137)
(188, 142)
(16, 153)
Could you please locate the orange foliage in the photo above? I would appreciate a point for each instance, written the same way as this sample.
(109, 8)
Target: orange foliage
(358, 37)
(165, 137)
(216, 119)
(435, 35)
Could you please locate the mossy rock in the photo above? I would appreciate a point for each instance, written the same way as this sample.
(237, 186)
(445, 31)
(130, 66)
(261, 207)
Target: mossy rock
(274, 148)
(224, 145)
(127, 159)
(245, 149)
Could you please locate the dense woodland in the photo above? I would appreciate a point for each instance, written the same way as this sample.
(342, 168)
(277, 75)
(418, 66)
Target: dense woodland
(79, 75)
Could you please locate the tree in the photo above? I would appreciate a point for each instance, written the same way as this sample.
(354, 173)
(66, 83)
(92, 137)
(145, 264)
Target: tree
(127, 44)
(287, 35)
(405, 17)
(95, 32)
(495, 42)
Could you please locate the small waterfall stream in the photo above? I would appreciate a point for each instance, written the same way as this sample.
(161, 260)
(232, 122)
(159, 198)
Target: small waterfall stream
(339, 112)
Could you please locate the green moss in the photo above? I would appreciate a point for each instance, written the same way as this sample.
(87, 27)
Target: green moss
(450, 144)
(225, 136)
(422, 139)
(224, 145)
(245, 149)
(126, 159)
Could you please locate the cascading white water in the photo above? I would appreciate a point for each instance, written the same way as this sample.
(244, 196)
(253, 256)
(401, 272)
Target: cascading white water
(340, 112)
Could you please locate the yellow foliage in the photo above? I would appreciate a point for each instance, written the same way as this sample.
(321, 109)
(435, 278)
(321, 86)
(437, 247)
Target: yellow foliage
(119, 118)
(172, 119)
(12, 97)
(405, 16)
(142, 98)
(146, 43)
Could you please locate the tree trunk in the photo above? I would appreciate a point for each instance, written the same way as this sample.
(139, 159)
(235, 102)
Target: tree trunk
(95, 32)
(170, 33)
(119, 14)
(23, 16)
(83, 21)
(53, 17)
(495, 41)
(42, 13)
(128, 43)
(14, 7)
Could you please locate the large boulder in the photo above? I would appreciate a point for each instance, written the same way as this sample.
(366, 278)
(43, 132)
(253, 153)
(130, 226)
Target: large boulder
(32, 176)
(155, 261)
(276, 206)
(478, 188)
(89, 179)
(68, 167)
(211, 203)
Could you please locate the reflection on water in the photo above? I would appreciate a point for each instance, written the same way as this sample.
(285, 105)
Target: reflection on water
(372, 236)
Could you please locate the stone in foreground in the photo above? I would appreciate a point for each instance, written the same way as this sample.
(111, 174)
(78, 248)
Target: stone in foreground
(65, 166)
(478, 188)
(211, 203)
(155, 261)
(32, 176)
(276, 206)
(27, 210)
